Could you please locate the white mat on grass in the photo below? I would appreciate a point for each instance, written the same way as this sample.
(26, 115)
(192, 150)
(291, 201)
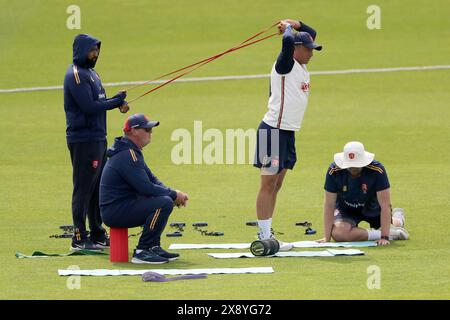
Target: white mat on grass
(109, 272)
(298, 244)
(314, 244)
(324, 253)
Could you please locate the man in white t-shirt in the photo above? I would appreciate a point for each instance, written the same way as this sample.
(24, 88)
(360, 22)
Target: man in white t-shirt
(289, 91)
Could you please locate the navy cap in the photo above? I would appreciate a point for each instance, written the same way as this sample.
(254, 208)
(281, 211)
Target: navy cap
(305, 39)
(139, 120)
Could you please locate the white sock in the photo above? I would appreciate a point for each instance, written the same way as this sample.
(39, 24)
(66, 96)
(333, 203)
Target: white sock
(374, 234)
(264, 228)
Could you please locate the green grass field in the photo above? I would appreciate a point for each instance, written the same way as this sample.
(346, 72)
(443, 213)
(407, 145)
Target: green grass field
(403, 117)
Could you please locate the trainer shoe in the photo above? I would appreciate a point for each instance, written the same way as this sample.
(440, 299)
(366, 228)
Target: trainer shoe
(284, 246)
(399, 213)
(101, 244)
(148, 256)
(398, 233)
(163, 253)
(85, 244)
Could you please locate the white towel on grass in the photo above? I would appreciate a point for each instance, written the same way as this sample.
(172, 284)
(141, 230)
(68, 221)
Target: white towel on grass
(298, 244)
(115, 272)
(323, 253)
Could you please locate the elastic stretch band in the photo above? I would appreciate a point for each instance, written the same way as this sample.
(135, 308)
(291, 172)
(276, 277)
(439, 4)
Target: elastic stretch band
(198, 64)
(157, 277)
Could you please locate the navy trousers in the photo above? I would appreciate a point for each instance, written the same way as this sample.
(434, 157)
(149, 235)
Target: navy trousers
(88, 160)
(150, 212)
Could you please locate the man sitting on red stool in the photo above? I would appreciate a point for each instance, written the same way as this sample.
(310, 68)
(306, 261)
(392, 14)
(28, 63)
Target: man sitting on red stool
(131, 196)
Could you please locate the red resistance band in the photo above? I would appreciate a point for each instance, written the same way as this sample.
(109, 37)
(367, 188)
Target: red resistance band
(198, 64)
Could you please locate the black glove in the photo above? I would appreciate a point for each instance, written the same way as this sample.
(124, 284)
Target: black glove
(121, 95)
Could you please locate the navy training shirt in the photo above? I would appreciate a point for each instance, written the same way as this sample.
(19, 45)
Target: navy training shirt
(357, 195)
(126, 175)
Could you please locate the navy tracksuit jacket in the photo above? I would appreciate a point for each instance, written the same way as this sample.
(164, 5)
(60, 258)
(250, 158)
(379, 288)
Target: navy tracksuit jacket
(85, 101)
(85, 105)
(131, 196)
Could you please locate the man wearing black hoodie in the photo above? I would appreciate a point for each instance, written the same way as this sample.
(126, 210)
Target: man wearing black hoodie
(131, 195)
(85, 105)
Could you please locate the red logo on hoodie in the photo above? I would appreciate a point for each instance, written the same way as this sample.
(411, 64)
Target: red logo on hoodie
(95, 164)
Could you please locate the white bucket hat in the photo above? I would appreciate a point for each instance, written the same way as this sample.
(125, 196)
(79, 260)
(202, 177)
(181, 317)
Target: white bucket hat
(354, 156)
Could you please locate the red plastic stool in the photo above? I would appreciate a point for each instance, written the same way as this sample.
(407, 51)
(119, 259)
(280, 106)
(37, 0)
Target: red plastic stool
(118, 238)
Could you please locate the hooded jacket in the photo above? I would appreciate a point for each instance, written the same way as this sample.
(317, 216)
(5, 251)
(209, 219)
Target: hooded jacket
(85, 102)
(126, 175)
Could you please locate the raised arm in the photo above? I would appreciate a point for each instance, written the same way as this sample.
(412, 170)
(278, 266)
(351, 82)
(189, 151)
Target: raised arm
(285, 61)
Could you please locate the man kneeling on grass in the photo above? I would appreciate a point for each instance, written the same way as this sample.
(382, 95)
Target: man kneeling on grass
(357, 189)
(131, 196)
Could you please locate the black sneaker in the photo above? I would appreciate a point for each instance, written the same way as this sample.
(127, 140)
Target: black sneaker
(103, 244)
(85, 244)
(163, 253)
(148, 256)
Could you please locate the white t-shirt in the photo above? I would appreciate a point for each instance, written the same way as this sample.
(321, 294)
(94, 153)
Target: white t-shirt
(288, 99)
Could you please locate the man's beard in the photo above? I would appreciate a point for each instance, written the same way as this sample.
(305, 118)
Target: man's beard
(91, 62)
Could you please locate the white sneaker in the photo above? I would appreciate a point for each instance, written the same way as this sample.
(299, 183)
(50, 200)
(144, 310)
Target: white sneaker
(285, 246)
(398, 233)
(399, 213)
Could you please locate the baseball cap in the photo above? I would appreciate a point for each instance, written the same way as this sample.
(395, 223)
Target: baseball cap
(354, 156)
(305, 39)
(139, 120)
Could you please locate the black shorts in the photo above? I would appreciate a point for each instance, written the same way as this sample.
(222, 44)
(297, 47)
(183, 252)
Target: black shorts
(373, 218)
(275, 149)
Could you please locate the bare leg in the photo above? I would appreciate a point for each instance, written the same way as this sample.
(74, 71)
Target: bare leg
(267, 195)
(343, 231)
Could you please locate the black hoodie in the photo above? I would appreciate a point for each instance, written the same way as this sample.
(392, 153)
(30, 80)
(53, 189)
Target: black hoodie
(85, 101)
(126, 175)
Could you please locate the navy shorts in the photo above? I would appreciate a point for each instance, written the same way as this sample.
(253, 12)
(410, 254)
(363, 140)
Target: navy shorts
(275, 149)
(373, 218)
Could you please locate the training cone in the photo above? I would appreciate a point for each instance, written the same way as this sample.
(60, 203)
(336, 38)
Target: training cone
(118, 238)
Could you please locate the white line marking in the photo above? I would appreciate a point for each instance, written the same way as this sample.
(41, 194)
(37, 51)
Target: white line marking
(255, 76)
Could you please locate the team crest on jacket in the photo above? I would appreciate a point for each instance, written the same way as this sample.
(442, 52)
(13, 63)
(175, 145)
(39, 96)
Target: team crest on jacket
(94, 164)
(304, 86)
